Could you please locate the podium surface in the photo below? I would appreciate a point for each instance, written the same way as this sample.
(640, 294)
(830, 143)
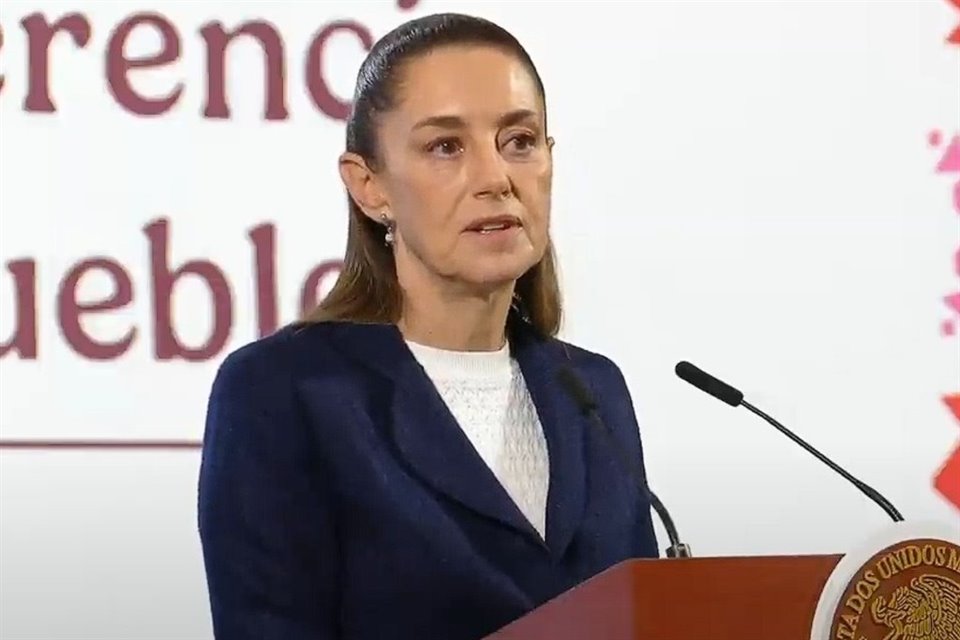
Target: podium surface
(903, 583)
(723, 598)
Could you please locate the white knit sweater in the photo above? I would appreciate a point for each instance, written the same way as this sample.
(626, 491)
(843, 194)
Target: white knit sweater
(486, 393)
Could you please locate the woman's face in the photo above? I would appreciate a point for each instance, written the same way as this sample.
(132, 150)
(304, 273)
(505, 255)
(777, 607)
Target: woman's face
(466, 168)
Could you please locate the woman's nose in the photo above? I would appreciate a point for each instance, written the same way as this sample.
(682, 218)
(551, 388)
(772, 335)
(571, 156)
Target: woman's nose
(491, 176)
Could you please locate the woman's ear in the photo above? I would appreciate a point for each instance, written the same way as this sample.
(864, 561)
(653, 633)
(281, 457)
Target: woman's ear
(361, 182)
(550, 142)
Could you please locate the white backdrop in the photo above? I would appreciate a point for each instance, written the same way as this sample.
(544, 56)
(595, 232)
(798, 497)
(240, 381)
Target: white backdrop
(752, 186)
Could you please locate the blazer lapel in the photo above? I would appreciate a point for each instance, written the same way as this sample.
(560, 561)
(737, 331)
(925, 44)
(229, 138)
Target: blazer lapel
(540, 361)
(426, 433)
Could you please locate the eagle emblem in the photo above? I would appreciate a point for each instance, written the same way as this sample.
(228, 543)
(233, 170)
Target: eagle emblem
(927, 609)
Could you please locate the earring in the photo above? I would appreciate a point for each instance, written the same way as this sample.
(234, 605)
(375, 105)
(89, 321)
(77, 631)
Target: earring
(388, 236)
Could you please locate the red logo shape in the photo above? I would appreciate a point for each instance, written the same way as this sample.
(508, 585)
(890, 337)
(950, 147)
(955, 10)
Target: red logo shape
(947, 480)
(954, 38)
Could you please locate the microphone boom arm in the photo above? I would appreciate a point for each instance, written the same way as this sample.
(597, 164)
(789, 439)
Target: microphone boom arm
(867, 490)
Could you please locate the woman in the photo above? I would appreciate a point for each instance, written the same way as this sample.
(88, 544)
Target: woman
(404, 462)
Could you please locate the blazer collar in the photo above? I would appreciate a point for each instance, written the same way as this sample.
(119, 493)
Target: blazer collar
(437, 450)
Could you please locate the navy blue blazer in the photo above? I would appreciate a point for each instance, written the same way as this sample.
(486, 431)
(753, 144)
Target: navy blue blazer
(339, 499)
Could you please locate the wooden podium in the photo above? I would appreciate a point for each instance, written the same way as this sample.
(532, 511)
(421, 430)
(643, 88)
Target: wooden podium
(736, 598)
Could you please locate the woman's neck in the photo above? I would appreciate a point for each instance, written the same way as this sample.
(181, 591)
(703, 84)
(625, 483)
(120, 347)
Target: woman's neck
(457, 322)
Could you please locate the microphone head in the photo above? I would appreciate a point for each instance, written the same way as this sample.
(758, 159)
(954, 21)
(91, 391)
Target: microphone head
(578, 389)
(708, 384)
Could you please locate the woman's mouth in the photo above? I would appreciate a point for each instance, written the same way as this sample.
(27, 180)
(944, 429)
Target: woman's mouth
(497, 225)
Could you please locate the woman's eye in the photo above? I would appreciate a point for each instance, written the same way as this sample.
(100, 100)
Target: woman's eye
(522, 142)
(445, 147)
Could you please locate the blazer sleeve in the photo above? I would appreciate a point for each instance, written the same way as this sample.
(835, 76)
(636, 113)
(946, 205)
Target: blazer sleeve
(265, 518)
(624, 417)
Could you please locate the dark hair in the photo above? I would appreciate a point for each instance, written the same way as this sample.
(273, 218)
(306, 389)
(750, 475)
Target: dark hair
(367, 288)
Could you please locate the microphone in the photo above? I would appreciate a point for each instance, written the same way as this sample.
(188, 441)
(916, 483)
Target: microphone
(733, 397)
(589, 408)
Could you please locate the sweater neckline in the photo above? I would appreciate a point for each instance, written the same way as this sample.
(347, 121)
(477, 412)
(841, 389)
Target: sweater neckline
(448, 363)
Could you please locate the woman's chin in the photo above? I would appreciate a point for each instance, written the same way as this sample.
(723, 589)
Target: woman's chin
(494, 273)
